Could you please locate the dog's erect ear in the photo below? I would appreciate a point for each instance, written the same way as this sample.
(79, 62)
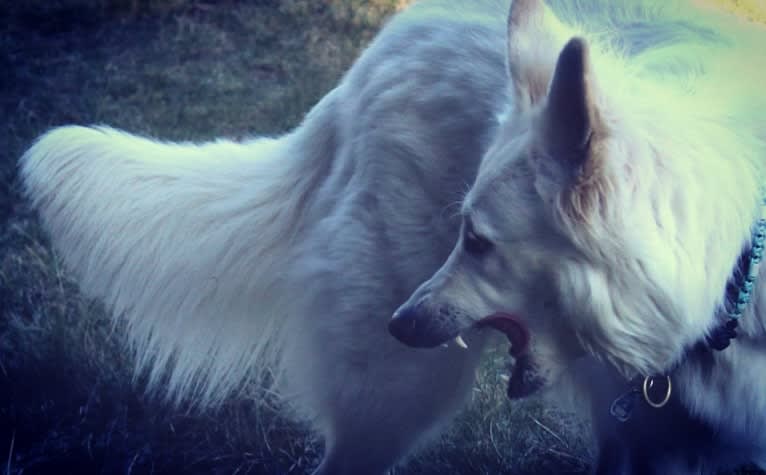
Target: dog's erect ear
(570, 117)
(526, 40)
(571, 135)
(535, 37)
(524, 14)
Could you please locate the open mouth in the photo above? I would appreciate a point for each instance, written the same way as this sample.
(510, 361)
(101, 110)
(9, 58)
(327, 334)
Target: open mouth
(524, 379)
(512, 327)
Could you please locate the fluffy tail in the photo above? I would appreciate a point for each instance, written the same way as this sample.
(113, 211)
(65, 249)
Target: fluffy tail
(184, 241)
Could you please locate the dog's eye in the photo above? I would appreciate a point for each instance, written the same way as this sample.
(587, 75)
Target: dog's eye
(475, 244)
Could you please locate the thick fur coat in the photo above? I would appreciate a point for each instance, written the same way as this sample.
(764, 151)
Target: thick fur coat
(607, 217)
(288, 255)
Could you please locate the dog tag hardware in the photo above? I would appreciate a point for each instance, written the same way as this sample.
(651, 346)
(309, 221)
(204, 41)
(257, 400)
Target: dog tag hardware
(622, 407)
(657, 390)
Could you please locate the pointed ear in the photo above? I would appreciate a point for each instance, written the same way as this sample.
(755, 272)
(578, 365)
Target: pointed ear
(570, 117)
(571, 134)
(523, 14)
(527, 40)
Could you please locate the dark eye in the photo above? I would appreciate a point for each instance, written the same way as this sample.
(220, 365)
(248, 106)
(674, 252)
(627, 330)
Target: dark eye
(474, 244)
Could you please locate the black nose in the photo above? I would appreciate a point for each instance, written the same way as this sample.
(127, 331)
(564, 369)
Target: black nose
(404, 326)
(413, 326)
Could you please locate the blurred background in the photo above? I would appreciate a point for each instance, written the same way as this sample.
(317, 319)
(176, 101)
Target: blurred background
(189, 70)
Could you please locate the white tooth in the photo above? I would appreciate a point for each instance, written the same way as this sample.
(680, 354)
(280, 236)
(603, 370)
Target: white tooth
(460, 342)
(505, 377)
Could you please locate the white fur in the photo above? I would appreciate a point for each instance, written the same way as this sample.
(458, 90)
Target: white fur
(684, 179)
(286, 256)
(624, 252)
(157, 230)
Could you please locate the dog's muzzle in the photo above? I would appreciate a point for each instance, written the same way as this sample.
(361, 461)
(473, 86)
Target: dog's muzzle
(414, 326)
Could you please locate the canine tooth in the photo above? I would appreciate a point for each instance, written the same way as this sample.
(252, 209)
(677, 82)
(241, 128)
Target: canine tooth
(460, 342)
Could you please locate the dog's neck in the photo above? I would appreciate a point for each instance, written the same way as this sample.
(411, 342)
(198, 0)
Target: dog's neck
(702, 365)
(716, 384)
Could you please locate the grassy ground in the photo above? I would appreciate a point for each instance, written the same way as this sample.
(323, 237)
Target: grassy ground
(182, 69)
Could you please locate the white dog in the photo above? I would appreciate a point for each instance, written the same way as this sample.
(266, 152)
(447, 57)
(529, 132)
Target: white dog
(620, 198)
(288, 255)
(610, 216)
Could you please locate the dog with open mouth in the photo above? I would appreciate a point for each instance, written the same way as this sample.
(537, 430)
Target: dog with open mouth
(618, 215)
(616, 182)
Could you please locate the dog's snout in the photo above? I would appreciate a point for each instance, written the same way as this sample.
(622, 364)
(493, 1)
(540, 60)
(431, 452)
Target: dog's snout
(404, 325)
(414, 326)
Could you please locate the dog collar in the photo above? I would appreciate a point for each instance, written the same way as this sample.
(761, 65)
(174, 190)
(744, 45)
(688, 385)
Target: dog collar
(740, 289)
(656, 389)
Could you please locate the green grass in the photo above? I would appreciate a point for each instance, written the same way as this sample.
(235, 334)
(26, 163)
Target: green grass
(183, 70)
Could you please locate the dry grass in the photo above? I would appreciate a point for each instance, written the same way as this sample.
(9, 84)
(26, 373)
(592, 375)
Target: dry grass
(182, 69)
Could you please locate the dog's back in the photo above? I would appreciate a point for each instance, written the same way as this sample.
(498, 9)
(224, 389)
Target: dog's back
(289, 254)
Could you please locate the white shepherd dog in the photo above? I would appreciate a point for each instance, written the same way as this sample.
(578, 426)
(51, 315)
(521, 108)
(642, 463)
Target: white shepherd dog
(611, 208)
(617, 207)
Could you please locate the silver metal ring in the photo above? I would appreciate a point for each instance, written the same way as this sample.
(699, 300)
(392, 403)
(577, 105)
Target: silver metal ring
(647, 381)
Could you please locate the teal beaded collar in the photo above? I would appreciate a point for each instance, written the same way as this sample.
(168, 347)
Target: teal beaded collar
(740, 290)
(656, 389)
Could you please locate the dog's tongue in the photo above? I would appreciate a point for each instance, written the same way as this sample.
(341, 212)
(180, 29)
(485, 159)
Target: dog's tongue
(512, 327)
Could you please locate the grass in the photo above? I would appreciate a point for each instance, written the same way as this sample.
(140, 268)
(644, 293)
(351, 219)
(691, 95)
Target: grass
(183, 70)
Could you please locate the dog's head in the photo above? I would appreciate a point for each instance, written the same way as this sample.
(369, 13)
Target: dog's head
(573, 232)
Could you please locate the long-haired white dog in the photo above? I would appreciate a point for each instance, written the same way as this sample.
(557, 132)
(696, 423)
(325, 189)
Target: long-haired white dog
(618, 206)
(288, 255)
(621, 198)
